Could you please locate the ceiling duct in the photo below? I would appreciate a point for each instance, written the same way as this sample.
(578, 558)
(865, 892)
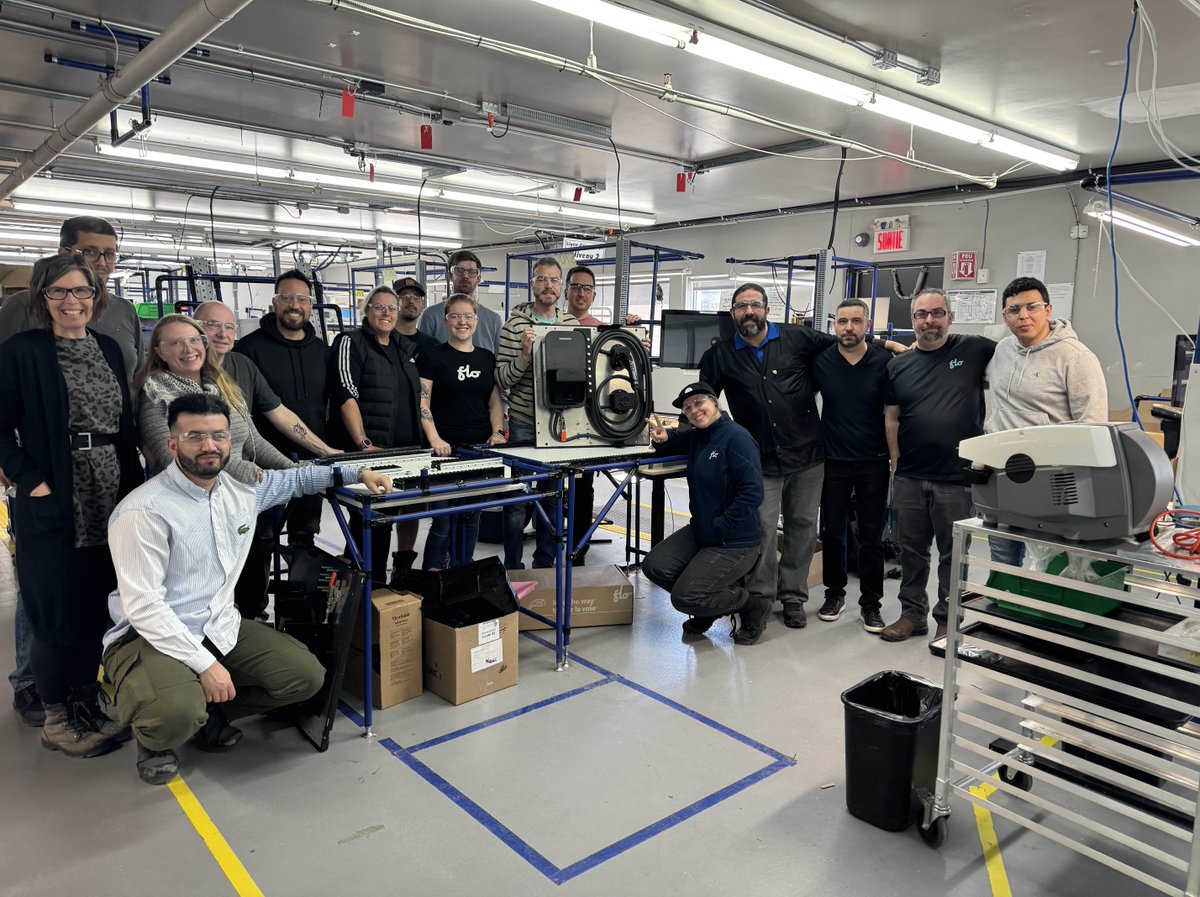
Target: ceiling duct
(199, 21)
(551, 120)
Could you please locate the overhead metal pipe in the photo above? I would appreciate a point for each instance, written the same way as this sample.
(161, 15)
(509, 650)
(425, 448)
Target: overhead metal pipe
(201, 20)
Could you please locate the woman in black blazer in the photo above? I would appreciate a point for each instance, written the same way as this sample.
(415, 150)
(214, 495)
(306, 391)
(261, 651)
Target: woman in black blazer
(67, 441)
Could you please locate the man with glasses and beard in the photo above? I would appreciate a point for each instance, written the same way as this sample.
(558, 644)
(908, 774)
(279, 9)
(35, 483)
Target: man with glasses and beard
(182, 661)
(934, 402)
(765, 371)
(464, 272)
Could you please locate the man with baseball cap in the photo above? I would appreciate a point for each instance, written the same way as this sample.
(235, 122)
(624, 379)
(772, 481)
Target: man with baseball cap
(411, 296)
(704, 564)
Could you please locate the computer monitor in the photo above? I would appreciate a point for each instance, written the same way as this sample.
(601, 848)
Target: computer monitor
(686, 335)
(1183, 365)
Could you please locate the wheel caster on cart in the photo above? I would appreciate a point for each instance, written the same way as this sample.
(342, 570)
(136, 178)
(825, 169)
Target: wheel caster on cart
(935, 834)
(1016, 777)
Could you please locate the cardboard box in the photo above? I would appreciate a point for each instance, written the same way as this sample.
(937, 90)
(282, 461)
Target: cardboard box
(470, 630)
(467, 662)
(395, 649)
(816, 568)
(600, 596)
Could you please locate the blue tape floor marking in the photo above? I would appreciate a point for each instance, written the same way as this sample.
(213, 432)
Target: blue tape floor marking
(351, 714)
(522, 848)
(442, 739)
(472, 809)
(674, 705)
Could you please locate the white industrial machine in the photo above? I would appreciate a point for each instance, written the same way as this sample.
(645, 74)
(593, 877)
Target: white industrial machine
(591, 386)
(1085, 482)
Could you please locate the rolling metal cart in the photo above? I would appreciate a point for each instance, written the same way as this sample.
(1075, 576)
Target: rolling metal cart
(1084, 706)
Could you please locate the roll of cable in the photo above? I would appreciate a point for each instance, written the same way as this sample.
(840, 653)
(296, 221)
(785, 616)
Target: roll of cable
(625, 425)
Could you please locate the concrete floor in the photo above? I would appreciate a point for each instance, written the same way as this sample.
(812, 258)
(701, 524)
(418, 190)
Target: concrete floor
(694, 768)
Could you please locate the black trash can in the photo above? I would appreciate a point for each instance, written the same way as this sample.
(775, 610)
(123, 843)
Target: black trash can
(891, 746)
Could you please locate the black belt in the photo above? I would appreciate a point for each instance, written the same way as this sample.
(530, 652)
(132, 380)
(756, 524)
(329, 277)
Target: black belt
(85, 442)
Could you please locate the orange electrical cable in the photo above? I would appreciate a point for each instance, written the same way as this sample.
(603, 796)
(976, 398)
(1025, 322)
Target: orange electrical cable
(1187, 540)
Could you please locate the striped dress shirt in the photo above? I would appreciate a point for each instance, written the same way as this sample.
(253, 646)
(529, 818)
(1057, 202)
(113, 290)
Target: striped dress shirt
(178, 551)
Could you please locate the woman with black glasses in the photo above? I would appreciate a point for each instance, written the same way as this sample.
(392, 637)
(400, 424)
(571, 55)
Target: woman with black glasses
(67, 440)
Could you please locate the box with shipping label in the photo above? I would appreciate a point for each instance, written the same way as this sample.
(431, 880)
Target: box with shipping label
(600, 596)
(395, 649)
(467, 662)
(469, 629)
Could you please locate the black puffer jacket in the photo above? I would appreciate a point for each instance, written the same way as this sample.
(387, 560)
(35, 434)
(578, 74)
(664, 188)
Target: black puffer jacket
(385, 383)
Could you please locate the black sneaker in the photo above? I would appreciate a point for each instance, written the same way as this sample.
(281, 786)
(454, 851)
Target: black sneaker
(872, 621)
(217, 736)
(698, 625)
(753, 618)
(793, 616)
(831, 609)
(28, 704)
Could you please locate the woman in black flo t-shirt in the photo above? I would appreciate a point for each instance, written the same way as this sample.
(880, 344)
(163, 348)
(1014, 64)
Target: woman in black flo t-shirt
(460, 405)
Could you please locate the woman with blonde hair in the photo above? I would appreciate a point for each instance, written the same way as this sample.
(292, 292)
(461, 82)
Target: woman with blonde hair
(181, 361)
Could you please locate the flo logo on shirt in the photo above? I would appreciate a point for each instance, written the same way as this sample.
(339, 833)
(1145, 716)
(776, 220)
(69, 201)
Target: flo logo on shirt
(714, 454)
(465, 373)
(955, 363)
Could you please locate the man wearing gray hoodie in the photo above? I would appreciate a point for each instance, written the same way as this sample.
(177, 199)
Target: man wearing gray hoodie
(1042, 374)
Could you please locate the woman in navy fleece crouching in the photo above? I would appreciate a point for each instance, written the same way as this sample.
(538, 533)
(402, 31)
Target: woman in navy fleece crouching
(703, 565)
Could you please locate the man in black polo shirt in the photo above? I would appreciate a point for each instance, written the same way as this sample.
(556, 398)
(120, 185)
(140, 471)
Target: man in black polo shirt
(934, 401)
(852, 379)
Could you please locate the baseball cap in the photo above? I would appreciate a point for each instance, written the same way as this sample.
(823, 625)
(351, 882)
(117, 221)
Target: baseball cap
(699, 388)
(408, 283)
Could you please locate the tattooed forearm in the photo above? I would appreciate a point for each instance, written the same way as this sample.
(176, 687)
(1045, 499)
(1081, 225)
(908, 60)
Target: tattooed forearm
(300, 430)
(424, 391)
(426, 415)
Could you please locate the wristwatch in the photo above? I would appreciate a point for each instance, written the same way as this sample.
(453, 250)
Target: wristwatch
(366, 443)
(499, 432)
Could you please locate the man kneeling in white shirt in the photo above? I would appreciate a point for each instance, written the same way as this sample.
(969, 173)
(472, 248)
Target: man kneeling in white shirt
(180, 657)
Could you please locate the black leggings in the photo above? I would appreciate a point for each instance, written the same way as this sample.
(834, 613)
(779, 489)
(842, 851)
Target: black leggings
(59, 669)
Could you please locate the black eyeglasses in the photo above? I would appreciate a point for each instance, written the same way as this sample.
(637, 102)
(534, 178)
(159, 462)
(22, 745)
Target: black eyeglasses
(94, 255)
(937, 314)
(58, 294)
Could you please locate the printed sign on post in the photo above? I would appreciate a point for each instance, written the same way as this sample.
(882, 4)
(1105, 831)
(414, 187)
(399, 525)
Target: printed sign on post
(962, 265)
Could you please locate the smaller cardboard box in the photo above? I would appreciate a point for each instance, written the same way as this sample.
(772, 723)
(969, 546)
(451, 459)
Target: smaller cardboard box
(469, 628)
(816, 567)
(600, 596)
(395, 649)
(467, 662)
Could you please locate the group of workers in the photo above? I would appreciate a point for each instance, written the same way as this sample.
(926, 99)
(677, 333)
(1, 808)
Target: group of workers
(163, 582)
(890, 424)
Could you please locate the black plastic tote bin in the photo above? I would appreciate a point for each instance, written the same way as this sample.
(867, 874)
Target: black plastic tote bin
(891, 746)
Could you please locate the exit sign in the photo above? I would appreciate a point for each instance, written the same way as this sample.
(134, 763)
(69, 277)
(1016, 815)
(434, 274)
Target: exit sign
(892, 234)
(962, 265)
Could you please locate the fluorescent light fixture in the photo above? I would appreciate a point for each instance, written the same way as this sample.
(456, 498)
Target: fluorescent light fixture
(202, 221)
(1141, 225)
(22, 205)
(780, 280)
(909, 110)
(364, 185)
(627, 20)
(316, 234)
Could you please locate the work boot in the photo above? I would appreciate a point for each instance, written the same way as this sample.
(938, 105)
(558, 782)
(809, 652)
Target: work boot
(217, 736)
(63, 731)
(402, 562)
(902, 629)
(753, 616)
(698, 625)
(28, 704)
(93, 707)
(156, 767)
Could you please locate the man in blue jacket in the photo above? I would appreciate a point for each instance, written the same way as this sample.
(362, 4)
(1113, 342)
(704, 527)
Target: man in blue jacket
(704, 564)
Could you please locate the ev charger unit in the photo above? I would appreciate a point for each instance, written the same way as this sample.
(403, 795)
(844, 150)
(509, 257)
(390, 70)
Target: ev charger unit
(591, 386)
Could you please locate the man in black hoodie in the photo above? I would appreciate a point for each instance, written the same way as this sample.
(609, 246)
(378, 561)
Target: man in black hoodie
(293, 360)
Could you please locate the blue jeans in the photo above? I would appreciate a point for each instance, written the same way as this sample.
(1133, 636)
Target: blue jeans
(1006, 551)
(437, 543)
(926, 511)
(22, 676)
(521, 433)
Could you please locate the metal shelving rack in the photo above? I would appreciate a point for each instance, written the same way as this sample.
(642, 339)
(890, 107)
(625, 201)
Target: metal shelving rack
(1089, 726)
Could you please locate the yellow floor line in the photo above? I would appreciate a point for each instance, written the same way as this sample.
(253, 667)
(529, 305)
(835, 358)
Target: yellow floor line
(620, 530)
(993, 862)
(242, 883)
(668, 510)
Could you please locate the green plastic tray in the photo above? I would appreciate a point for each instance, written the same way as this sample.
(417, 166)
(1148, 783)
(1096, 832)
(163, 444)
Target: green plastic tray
(1112, 575)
